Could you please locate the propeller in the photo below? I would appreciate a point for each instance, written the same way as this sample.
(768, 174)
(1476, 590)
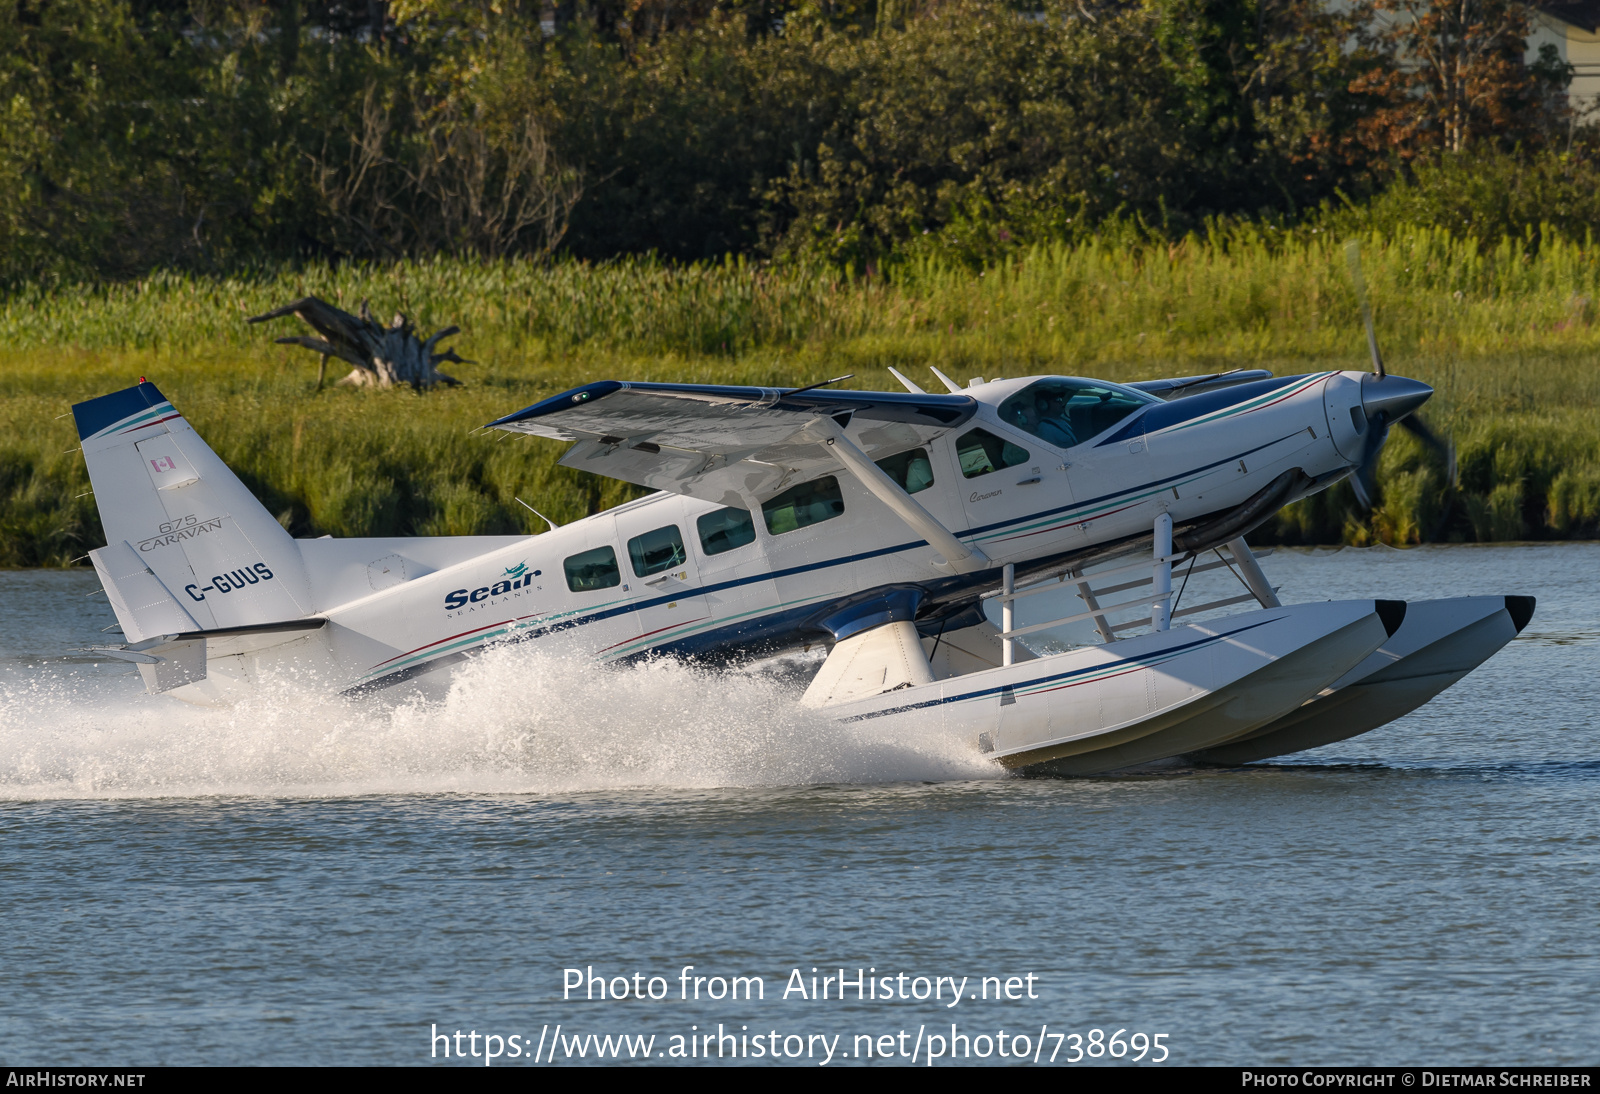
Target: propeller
(1387, 400)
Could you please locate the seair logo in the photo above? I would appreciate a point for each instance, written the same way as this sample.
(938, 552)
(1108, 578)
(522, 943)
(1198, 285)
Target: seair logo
(516, 577)
(228, 582)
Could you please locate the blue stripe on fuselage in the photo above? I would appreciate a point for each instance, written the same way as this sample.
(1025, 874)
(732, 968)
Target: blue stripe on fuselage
(1161, 415)
(765, 625)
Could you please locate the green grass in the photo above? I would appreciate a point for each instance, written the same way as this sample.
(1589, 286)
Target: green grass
(1509, 337)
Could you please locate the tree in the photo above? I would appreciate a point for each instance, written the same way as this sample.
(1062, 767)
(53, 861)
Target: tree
(1461, 76)
(446, 180)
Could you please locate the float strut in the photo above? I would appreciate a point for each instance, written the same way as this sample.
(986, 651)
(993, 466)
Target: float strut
(1008, 613)
(1161, 606)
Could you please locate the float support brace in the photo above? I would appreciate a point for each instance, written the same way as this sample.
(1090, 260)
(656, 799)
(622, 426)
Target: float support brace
(1161, 606)
(1090, 601)
(1250, 570)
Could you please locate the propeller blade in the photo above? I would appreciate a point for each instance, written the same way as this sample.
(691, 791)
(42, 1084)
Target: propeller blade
(1352, 254)
(1365, 480)
(1414, 425)
(1387, 403)
(1363, 495)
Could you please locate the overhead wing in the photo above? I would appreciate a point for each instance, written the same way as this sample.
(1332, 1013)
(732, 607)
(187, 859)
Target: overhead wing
(711, 441)
(1181, 386)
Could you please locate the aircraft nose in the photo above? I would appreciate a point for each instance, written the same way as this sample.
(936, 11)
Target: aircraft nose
(1393, 397)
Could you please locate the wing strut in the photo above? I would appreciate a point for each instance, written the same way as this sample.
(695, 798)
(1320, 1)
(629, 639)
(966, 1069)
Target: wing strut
(961, 557)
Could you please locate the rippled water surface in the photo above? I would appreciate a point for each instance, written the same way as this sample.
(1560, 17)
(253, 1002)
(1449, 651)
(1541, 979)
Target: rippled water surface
(306, 880)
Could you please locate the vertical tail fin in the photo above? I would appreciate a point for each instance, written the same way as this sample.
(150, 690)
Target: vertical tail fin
(185, 538)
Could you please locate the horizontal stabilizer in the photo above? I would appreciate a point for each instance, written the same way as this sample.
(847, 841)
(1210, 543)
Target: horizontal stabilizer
(288, 626)
(164, 664)
(168, 661)
(179, 664)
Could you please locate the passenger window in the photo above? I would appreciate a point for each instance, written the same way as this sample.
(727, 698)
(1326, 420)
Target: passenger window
(912, 470)
(1068, 412)
(596, 569)
(658, 550)
(809, 503)
(981, 452)
(725, 529)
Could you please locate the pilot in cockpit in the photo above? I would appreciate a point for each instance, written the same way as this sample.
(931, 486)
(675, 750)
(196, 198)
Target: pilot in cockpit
(1045, 416)
(1058, 409)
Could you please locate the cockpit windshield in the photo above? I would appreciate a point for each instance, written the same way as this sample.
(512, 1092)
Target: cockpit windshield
(1067, 412)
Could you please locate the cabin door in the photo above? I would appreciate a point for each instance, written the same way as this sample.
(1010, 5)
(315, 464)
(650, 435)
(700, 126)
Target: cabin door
(1015, 491)
(661, 574)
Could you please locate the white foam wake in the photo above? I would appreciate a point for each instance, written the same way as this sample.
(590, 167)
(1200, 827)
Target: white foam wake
(518, 719)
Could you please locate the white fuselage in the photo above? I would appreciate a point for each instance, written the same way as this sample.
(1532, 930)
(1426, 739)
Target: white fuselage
(1188, 461)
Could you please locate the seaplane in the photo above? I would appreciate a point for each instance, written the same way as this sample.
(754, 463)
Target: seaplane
(897, 531)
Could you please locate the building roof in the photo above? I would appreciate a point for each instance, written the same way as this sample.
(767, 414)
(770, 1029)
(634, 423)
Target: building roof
(1577, 13)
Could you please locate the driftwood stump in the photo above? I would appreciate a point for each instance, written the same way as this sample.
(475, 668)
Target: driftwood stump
(382, 356)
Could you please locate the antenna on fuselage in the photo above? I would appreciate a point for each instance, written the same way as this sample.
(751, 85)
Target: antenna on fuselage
(553, 525)
(950, 385)
(907, 384)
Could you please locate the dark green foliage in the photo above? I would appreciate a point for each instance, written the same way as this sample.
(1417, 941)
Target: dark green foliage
(142, 137)
(676, 141)
(1486, 195)
(210, 134)
(44, 518)
(999, 130)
